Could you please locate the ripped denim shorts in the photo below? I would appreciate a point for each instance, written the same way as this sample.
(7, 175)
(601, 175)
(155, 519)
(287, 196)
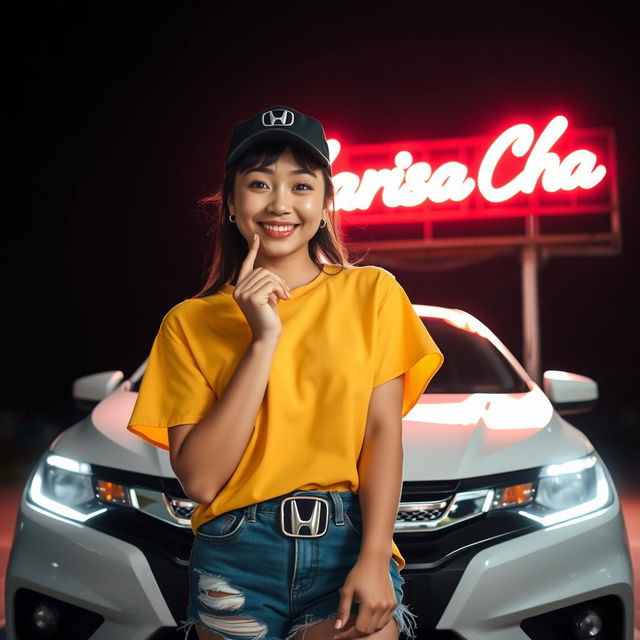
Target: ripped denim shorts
(249, 579)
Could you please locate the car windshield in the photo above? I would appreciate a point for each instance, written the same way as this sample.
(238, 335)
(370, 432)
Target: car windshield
(472, 364)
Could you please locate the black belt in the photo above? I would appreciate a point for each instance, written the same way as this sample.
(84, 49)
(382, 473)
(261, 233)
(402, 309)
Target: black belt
(304, 516)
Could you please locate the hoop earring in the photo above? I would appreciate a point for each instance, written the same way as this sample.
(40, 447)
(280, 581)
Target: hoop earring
(322, 226)
(234, 218)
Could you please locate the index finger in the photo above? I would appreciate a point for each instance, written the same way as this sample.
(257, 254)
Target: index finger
(347, 635)
(363, 617)
(247, 264)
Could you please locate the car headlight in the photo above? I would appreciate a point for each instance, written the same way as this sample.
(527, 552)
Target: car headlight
(68, 488)
(561, 492)
(569, 490)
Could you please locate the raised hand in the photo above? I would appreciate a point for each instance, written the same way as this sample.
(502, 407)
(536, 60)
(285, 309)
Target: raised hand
(257, 292)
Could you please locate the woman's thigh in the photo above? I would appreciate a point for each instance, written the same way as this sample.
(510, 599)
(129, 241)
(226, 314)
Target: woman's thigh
(238, 578)
(325, 630)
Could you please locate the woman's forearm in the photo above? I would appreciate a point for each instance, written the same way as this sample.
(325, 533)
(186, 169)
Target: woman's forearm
(380, 471)
(212, 450)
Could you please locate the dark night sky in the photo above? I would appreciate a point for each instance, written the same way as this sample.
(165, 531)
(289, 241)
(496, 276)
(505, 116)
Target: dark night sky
(122, 118)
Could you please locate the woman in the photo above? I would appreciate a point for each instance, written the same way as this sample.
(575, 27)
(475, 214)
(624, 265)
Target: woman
(279, 391)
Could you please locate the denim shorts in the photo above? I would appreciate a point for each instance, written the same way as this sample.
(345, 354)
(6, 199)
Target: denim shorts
(272, 585)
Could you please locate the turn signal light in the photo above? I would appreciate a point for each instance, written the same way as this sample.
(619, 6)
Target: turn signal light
(112, 493)
(516, 494)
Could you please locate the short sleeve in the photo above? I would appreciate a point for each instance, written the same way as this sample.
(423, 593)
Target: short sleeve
(403, 345)
(173, 390)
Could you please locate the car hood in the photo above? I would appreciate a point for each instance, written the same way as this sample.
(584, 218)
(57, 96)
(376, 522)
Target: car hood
(445, 436)
(453, 436)
(102, 438)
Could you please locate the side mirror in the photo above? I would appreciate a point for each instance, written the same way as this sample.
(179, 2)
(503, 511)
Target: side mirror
(89, 390)
(570, 392)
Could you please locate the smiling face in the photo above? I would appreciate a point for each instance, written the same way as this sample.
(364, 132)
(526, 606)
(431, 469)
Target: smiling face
(280, 195)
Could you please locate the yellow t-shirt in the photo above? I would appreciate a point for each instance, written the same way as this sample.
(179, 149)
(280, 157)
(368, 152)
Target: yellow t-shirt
(342, 335)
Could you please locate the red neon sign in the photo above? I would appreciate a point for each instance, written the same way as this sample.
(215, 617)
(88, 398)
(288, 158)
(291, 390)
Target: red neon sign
(516, 170)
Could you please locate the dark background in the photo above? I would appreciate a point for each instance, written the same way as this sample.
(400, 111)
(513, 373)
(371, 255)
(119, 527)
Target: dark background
(121, 116)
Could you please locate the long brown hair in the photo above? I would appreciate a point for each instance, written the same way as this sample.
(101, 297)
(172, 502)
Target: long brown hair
(228, 246)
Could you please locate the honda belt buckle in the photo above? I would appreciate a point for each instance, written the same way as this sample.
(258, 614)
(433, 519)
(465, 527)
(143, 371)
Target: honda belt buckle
(302, 514)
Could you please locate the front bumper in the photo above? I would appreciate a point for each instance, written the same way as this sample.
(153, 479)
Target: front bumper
(126, 577)
(509, 590)
(102, 587)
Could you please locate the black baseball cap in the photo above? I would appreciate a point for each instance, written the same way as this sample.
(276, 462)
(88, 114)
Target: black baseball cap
(280, 123)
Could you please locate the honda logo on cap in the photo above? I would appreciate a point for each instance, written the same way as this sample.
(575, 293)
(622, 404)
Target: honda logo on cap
(270, 119)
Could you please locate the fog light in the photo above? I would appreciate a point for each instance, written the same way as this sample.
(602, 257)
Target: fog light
(46, 619)
(586, 624)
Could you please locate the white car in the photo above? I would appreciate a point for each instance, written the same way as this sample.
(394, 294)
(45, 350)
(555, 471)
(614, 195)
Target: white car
(509, 520)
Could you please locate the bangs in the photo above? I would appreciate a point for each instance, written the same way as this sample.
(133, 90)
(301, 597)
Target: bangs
(265, 154)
